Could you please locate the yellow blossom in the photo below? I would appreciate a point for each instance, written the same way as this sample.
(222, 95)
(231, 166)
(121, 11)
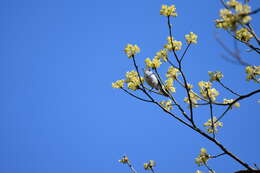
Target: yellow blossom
(215, 76)
(172, 73)
(131, 50)
(194, 99)
(191, 38)
(169, 85)
(226, 101)
(118, 84)
(124, 160)
(168, 10)
(216, 124)
(155, 63)
(166, 104)
(252, 73)
(132, 80)
(162, 54)
(206, 91)
(203, 157)
(149, 165)
(230, 20)
(174, 45)
(198, 171)
(243, 35)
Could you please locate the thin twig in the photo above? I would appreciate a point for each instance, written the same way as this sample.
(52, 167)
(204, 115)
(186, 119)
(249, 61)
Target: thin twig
(230, 90)
(139, 98)
(236, 100)
(213, 157)
(185, 52)
(211, 115)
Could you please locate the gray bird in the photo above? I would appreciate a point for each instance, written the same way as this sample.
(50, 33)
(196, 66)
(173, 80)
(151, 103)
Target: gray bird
(152, 80)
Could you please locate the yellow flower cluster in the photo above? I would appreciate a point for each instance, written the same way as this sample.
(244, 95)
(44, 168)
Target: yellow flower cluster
(216, 124)
(206, 90)
(215, 76)
(252, 73)
(131, 50)
(118, 84)
(132, 80)
(168, 10)
(172, 73)
(228, 101)
(124, 160)
(202, 158)
(198, 171)
(173, 44)
(191, 38)
(155, 63)
(194, 99)
(229, 20)
(166, 104)
(169, 85)
(162, 54)
(149, 165)
(243, 35)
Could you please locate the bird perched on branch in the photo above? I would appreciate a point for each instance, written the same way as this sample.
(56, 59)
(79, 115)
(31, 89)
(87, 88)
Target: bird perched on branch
(152, 80)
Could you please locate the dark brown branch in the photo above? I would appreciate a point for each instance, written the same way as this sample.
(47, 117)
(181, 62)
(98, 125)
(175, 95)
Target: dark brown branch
(139, 98)
(236, 100)
(230, 90)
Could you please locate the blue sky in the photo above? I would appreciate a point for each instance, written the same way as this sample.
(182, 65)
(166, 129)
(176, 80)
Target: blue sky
(59, 112)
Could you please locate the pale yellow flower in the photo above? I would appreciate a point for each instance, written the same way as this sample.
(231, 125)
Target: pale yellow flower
(131, 50)
(166, 105)
(216, 124)
(168, 10)
(206, 91)
(169, 85)
(124, 160)
(191, 38)
(203, 157)
(252, 73)
(118, 84)
(172, 73)
(194, 99)
(162, 54)
(243, 35)
(215, 76)
(155, 63)
(228, 101)
(149, 165)
(132, 80)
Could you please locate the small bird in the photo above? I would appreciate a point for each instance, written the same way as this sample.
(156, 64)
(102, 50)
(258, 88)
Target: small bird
(152, 80)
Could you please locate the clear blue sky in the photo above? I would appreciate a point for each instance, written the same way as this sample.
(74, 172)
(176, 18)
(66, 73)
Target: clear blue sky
(59, 113)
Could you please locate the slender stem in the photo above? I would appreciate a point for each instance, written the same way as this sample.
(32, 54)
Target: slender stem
(185, 52)
(236, 100)
(207, 166)
(131, 167)
(230, 90)
(211, 115)
(139, 98)
(213, 157)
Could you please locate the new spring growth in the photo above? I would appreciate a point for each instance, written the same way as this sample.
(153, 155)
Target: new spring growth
(229, 101)
(149, 165)
(191, 38)
(131, 50)
(215, 76)
(202, 158)
(216, 124)
(236, 14)
(124, 160)
(168, 10)
(173, 44)
(166, 105)
(243, 35)
(253, 73)
(206, 91)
